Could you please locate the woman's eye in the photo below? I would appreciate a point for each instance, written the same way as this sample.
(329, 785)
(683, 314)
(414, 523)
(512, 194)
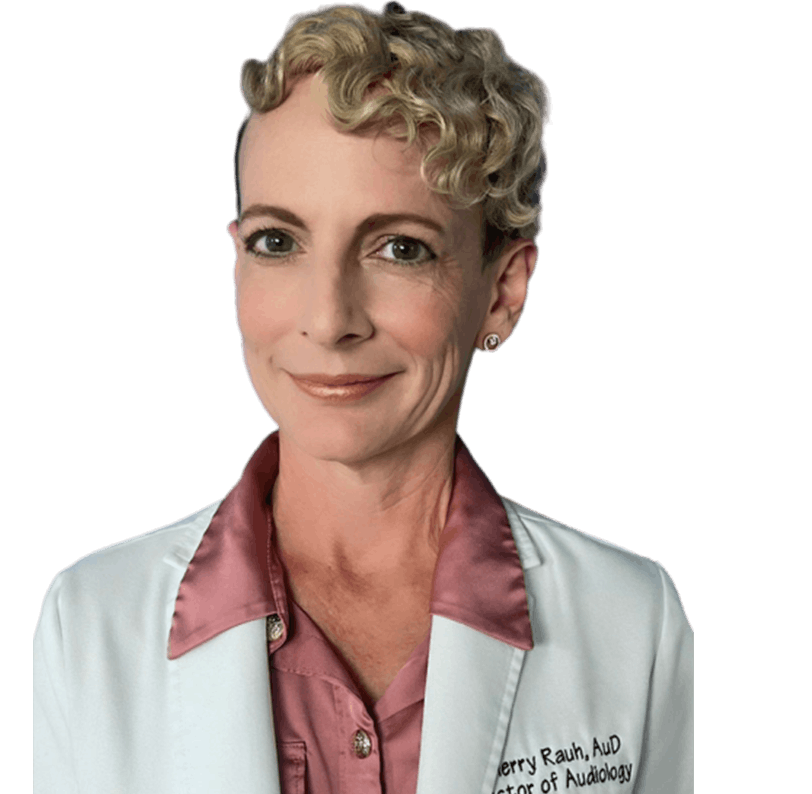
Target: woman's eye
(406, 250)
(270, 242)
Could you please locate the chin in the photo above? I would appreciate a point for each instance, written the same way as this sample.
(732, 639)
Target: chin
(337, 440)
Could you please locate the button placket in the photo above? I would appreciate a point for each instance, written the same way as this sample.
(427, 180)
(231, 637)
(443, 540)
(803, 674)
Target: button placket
(360, 759)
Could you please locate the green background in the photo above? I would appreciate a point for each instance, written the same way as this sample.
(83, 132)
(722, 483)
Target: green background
(652, 395)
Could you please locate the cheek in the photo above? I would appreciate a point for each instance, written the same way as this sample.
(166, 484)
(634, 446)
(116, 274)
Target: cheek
(424, 329)
(260, 312)
(432, 324)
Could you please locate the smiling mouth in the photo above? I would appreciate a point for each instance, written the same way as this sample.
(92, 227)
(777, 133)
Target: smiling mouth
(340, 388)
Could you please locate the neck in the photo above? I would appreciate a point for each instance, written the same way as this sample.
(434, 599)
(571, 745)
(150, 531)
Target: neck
(368, 518)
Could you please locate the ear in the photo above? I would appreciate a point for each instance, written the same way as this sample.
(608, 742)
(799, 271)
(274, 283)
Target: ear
(512, 271)
(232, 230)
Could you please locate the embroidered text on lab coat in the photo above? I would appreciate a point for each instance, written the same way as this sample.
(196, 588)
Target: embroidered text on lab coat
(567, 767)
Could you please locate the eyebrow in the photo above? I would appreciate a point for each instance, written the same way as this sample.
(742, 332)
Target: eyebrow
(368, 224)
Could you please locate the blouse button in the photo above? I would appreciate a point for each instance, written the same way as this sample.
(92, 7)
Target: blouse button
(274, 627)
(361, 744)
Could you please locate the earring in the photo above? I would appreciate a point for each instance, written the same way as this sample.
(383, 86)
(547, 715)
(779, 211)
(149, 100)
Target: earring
(492, 341)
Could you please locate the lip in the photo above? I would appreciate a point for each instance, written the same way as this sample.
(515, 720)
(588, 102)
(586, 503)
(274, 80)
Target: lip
(338, 380)
(340, 388)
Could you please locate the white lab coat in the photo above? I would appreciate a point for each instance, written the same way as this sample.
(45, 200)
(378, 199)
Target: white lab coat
(603, 702)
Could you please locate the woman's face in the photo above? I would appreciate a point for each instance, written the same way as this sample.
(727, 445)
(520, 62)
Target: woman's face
(349, 267)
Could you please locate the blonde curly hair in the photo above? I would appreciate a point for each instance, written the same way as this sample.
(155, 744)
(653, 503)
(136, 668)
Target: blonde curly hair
(486, 112)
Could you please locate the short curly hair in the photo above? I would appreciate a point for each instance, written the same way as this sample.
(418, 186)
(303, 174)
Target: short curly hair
(486, 112)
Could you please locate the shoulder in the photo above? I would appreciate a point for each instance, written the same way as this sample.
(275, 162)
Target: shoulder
(586, 572)
(124, 577)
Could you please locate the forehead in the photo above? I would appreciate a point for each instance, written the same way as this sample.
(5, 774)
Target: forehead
(296, 154)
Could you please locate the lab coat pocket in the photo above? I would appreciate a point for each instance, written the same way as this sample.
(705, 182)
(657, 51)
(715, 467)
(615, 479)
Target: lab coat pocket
(292, 767)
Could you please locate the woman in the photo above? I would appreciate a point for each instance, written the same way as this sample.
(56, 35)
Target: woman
(363, 612)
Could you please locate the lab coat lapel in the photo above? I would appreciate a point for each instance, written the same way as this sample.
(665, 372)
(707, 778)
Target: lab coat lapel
(223, 717)
(470, 687)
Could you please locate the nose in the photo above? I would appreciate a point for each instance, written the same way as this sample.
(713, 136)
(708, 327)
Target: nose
(334, 306)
